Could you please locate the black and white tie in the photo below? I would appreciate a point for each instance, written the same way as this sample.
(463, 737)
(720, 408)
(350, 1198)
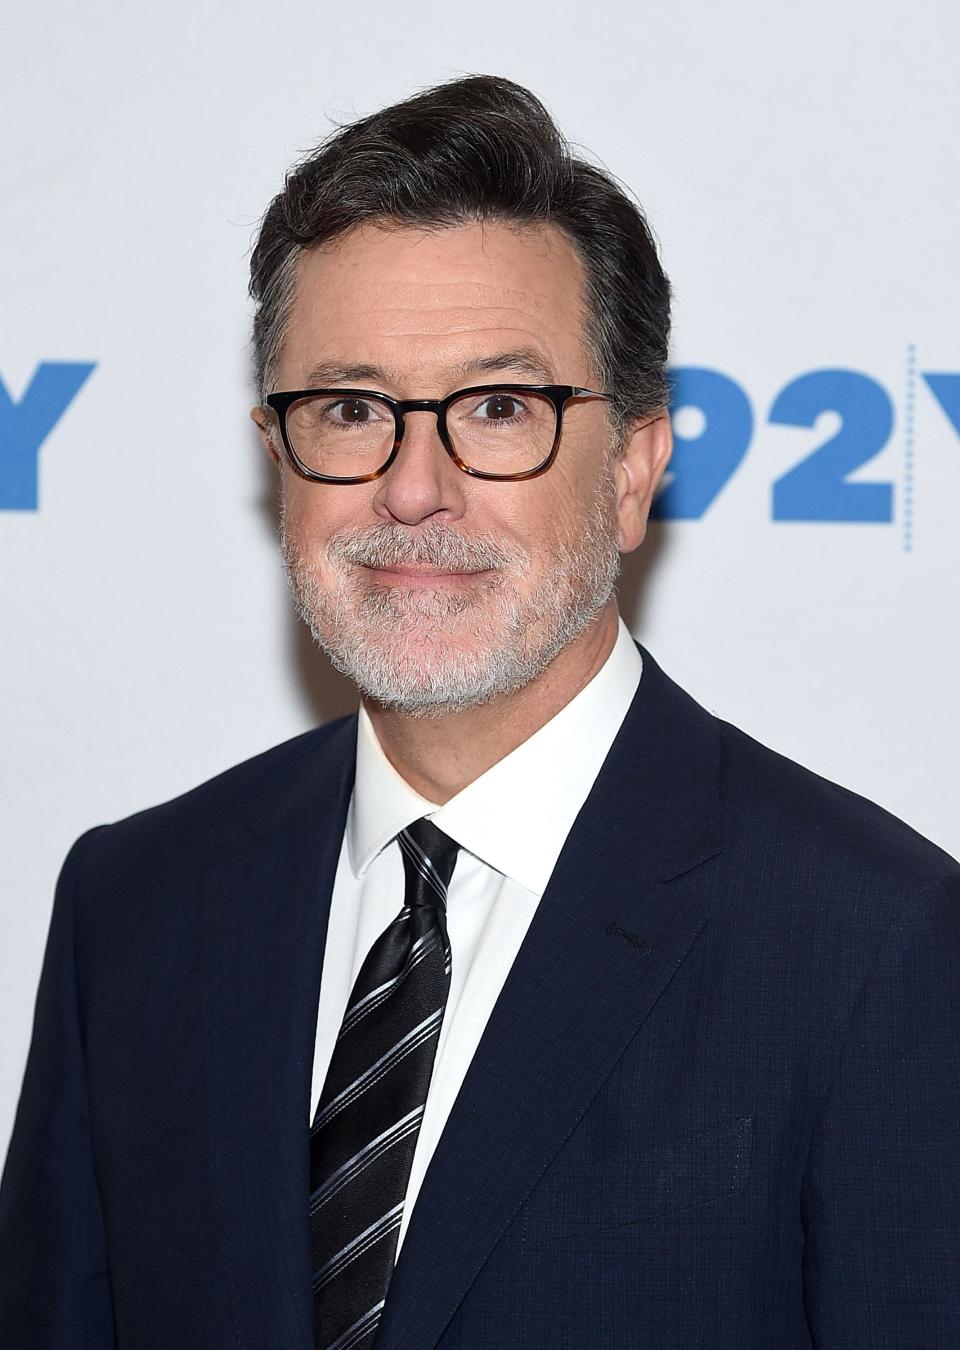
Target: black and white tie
(364, 1133)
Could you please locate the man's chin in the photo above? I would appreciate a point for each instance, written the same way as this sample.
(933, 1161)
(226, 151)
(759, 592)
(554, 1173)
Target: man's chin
(425, 657)
(427, 672)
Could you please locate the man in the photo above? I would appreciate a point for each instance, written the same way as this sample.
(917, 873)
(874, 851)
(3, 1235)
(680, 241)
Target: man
(535, 1007)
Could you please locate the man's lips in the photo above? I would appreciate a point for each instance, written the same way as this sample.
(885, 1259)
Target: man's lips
(421, 574)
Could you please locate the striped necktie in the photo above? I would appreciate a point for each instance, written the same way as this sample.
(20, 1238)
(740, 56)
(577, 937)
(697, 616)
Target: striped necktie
(365, 1130)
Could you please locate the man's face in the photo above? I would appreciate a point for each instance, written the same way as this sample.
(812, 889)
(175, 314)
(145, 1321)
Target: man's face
(433, 590)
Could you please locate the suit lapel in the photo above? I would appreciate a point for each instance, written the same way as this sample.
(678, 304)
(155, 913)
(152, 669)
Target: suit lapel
(265, 912)
(607, 938)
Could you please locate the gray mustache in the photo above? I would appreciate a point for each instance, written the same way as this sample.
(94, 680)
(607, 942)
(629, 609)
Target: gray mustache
(428, 546)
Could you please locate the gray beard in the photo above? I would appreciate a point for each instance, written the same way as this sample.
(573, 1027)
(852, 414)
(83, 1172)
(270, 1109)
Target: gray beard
(390, 642)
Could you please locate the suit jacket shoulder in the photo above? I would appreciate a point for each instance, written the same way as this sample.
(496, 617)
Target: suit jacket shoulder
(256, 793)
(140, 877)
(815, 836)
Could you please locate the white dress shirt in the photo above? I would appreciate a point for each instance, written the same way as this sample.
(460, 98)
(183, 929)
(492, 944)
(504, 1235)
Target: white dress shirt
(511, 824)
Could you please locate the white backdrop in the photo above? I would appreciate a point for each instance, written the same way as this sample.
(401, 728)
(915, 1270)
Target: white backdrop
(798, 163)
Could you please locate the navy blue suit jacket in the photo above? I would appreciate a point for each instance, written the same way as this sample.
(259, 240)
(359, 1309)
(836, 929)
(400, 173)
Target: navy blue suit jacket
(716, 1105)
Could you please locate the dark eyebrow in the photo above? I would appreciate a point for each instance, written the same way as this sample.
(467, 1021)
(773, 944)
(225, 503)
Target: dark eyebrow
(524, 360)
(327, 373)
(521, 361)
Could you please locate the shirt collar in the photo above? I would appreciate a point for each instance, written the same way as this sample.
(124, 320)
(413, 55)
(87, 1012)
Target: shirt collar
(515, 816)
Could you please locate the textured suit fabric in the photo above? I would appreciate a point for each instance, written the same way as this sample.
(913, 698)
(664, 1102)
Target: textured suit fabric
(716, 1104)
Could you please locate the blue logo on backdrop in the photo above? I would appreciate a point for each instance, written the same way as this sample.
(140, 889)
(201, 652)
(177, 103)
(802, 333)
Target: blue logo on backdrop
(26, 424)
(818, 488)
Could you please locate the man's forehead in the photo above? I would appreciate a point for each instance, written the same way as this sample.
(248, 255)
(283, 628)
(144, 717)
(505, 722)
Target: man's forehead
(489, 266)
(474, 299)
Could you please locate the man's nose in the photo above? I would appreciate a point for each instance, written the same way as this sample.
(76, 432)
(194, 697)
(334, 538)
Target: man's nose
(423, 480)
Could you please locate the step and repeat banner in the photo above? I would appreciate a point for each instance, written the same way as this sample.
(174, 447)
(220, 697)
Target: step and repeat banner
(800, 170)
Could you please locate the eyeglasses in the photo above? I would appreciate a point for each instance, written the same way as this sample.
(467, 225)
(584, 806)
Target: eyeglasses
(504, 432)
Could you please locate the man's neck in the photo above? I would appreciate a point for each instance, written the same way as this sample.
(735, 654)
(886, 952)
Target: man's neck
(438, 756)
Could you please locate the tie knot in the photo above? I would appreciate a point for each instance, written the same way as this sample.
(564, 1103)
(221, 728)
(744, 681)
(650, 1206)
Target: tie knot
(429, 857)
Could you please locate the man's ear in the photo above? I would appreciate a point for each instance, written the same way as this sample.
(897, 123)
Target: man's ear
(261, 417)
(638, 471)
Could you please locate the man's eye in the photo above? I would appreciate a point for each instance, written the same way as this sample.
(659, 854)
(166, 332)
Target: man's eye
(355, 411)
(500, 407)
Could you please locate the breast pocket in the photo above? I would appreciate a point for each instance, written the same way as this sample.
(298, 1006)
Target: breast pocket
(627, 1182)
(694, 1170)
